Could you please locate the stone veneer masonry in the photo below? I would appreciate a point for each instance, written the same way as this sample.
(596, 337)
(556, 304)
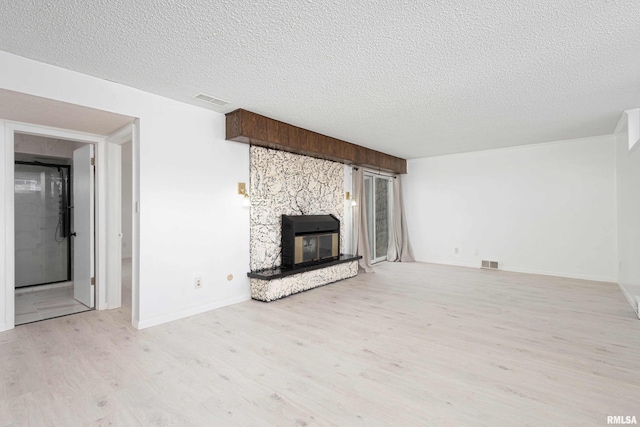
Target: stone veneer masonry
(269, 290)
(291, 184)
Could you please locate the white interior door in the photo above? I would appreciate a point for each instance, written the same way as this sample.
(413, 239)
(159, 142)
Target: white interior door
(83, 226)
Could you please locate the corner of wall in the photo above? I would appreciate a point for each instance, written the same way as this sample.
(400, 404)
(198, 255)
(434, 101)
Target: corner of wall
(155, 321)
(633, 302)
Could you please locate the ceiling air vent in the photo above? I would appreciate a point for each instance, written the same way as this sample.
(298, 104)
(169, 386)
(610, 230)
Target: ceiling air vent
(211, 100)
(492, 265)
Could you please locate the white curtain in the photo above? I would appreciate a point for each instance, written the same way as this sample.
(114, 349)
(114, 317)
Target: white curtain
(399, 247)
(360, 235)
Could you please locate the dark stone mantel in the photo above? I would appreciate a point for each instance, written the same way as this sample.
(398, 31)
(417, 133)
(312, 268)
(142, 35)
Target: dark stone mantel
(275, 273)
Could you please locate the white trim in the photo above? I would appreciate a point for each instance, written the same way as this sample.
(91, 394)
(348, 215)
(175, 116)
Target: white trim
(122, 135)
(453, 263)
(101, 224)
(48, 131)
(99, 141)
(633, 127)
(529, 271)
(114, 220)
(8, 251)
(114, 226)
(579, 276)
(630, 300)
(189, 312)
(135, 225)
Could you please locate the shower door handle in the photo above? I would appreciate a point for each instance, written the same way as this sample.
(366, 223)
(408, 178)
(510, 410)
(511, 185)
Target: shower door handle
(70, 209)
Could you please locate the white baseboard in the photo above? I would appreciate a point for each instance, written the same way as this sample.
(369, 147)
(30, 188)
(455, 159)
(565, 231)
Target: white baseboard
(530, 271)
(454, 263)
(3, 327)
(630, 299)
(561, 274)
(142, 324)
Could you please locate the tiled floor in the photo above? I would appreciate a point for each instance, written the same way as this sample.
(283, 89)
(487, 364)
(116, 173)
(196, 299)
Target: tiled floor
(45, 302)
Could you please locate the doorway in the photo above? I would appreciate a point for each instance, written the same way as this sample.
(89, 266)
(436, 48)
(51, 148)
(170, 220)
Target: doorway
(85, 125)
(54, 227)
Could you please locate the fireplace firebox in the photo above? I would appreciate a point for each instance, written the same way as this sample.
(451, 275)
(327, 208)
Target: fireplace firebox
(309, 239)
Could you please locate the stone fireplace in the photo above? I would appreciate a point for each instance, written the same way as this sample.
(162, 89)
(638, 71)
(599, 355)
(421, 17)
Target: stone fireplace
(295, 197)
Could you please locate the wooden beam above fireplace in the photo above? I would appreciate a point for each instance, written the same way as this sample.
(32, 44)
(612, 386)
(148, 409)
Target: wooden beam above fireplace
(251, 128)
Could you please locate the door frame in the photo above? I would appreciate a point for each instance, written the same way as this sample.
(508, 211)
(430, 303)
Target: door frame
(114, 200)
(113, 219)
(100, 143)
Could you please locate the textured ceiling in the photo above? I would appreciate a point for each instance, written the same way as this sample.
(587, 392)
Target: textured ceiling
(410, 78)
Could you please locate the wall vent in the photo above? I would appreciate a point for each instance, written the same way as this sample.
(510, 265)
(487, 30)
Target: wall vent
(211, 100)
(493, 265)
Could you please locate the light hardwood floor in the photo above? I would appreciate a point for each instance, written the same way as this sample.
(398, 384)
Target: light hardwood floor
(412, 344)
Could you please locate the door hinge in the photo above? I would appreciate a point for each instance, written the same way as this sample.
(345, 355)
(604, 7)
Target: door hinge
(93, 161)
(93, 281)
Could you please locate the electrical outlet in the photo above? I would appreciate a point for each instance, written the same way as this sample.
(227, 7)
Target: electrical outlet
(456, 251)
(198, 282)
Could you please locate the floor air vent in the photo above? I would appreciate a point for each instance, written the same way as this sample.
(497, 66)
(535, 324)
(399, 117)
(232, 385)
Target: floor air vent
(493, 265)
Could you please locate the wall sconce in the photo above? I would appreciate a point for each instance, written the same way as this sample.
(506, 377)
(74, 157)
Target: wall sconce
(242, 190)
(348, 196)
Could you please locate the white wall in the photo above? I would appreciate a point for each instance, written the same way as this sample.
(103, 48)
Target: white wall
(191, 220)
(628, 185)
(127, 199)
(546, 208)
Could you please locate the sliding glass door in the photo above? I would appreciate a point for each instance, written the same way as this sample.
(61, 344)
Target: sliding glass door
(378, 208)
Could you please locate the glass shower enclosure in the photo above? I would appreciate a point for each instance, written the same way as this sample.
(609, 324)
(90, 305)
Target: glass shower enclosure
(42, 221)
